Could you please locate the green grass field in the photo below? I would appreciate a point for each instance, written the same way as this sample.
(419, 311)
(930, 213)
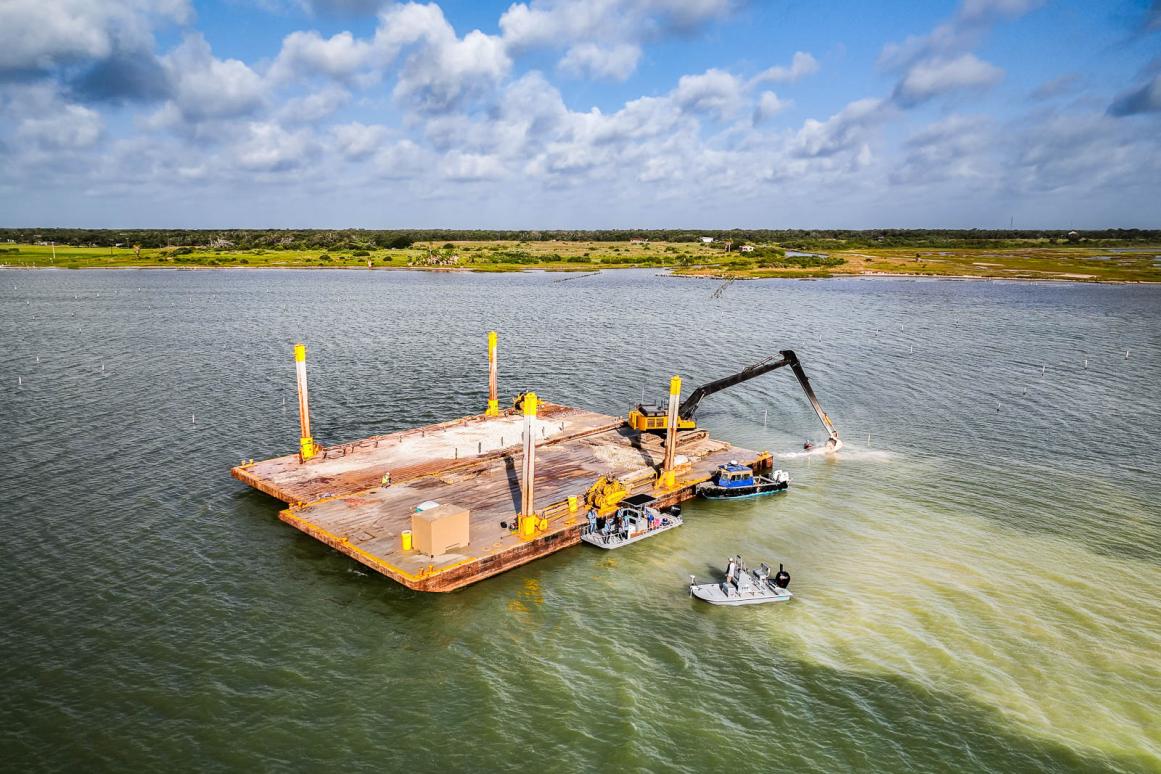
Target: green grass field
(1077, 263)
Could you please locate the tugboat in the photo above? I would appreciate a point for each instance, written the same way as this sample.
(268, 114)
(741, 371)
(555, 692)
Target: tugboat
(636, 519)
(744, 587)
(734, 480)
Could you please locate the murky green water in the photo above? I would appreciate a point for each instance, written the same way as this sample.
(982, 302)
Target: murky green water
(977, 574)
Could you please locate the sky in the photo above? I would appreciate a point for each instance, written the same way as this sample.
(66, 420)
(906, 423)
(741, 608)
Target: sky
(562, 114)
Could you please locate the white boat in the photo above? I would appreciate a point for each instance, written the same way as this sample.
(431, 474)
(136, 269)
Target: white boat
(634, 521)
(744, 587)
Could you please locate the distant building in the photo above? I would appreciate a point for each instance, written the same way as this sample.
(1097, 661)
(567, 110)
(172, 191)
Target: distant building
(638, 241)
(706, 240)
(747, 248)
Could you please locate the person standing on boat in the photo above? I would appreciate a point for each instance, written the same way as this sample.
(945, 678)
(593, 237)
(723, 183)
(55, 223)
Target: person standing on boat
(731, 568)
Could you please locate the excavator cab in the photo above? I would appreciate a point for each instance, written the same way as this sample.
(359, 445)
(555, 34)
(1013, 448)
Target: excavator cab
(651, 417)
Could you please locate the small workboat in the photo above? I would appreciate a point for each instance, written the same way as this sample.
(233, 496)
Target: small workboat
(636, 519)
(744, 587)
(734, 480)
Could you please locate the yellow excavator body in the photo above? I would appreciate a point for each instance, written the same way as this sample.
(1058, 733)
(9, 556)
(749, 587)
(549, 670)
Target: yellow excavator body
(643, 418)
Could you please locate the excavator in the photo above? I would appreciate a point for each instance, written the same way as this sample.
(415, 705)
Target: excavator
(653, 418)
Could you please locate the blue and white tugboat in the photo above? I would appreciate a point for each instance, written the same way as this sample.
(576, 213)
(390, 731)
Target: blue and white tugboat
(734, 480)
(744, 587)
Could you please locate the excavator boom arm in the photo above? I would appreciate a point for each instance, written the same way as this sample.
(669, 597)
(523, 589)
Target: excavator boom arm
(796, 367)
(689, 406)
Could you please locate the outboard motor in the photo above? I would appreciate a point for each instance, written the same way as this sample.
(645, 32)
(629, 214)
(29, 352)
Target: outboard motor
(675, 510)
(782, 579)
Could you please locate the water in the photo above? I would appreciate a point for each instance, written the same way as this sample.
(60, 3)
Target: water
(977, 586)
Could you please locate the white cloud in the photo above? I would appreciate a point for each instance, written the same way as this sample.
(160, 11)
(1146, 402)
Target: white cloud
(470, 167)
(550, 24)
(768, 105)
(37, 35)
(205, 87)
(973, 19)
(403, 160)
(957, 147)
(64, 126)
(932, 77)
(443, 70)
(358, 141)
(603, 37)
(714, 91)
(313, 107)
(846, 130)
(267, 147)
(801, 65)
(589, 59)
(308, 54)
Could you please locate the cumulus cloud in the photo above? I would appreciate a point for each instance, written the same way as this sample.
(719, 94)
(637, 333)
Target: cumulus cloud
(940, 61)
(960, 147)
(357, 141)
(268, 147)
(933, 77)
(1143, 99)
(66, 126)
(591, 60)
(37, 36)
(308, 54)
(973, 19)
(548, 22)
(1084, 152)
(603, 37)
(801, 65)
(205, 87)
(313, 107)
(402, 160)
(714, 91)
(442, 70)
(846, 130)
(768, 105)
(470, 167)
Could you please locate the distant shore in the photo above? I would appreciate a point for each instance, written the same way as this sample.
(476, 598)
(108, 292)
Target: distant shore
(710, 260)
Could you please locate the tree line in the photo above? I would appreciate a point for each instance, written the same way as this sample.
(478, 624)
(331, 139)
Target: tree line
(368, 239)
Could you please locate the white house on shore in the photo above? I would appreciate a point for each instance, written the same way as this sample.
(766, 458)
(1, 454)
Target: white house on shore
(706, 240)
(747, 248)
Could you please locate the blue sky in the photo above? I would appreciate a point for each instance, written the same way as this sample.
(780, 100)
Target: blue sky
(564, 114)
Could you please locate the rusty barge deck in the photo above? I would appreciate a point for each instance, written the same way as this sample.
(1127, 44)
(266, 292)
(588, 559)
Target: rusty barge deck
(338, 497)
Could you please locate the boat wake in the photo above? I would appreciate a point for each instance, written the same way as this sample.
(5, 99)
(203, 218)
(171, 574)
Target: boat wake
(847, 452)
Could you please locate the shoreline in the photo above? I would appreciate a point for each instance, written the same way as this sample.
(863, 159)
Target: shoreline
(550, 270)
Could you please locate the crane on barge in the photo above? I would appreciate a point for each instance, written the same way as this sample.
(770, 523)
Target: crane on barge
(648, 417)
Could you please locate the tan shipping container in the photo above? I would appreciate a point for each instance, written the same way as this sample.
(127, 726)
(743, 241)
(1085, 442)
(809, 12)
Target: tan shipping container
(438, 529)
